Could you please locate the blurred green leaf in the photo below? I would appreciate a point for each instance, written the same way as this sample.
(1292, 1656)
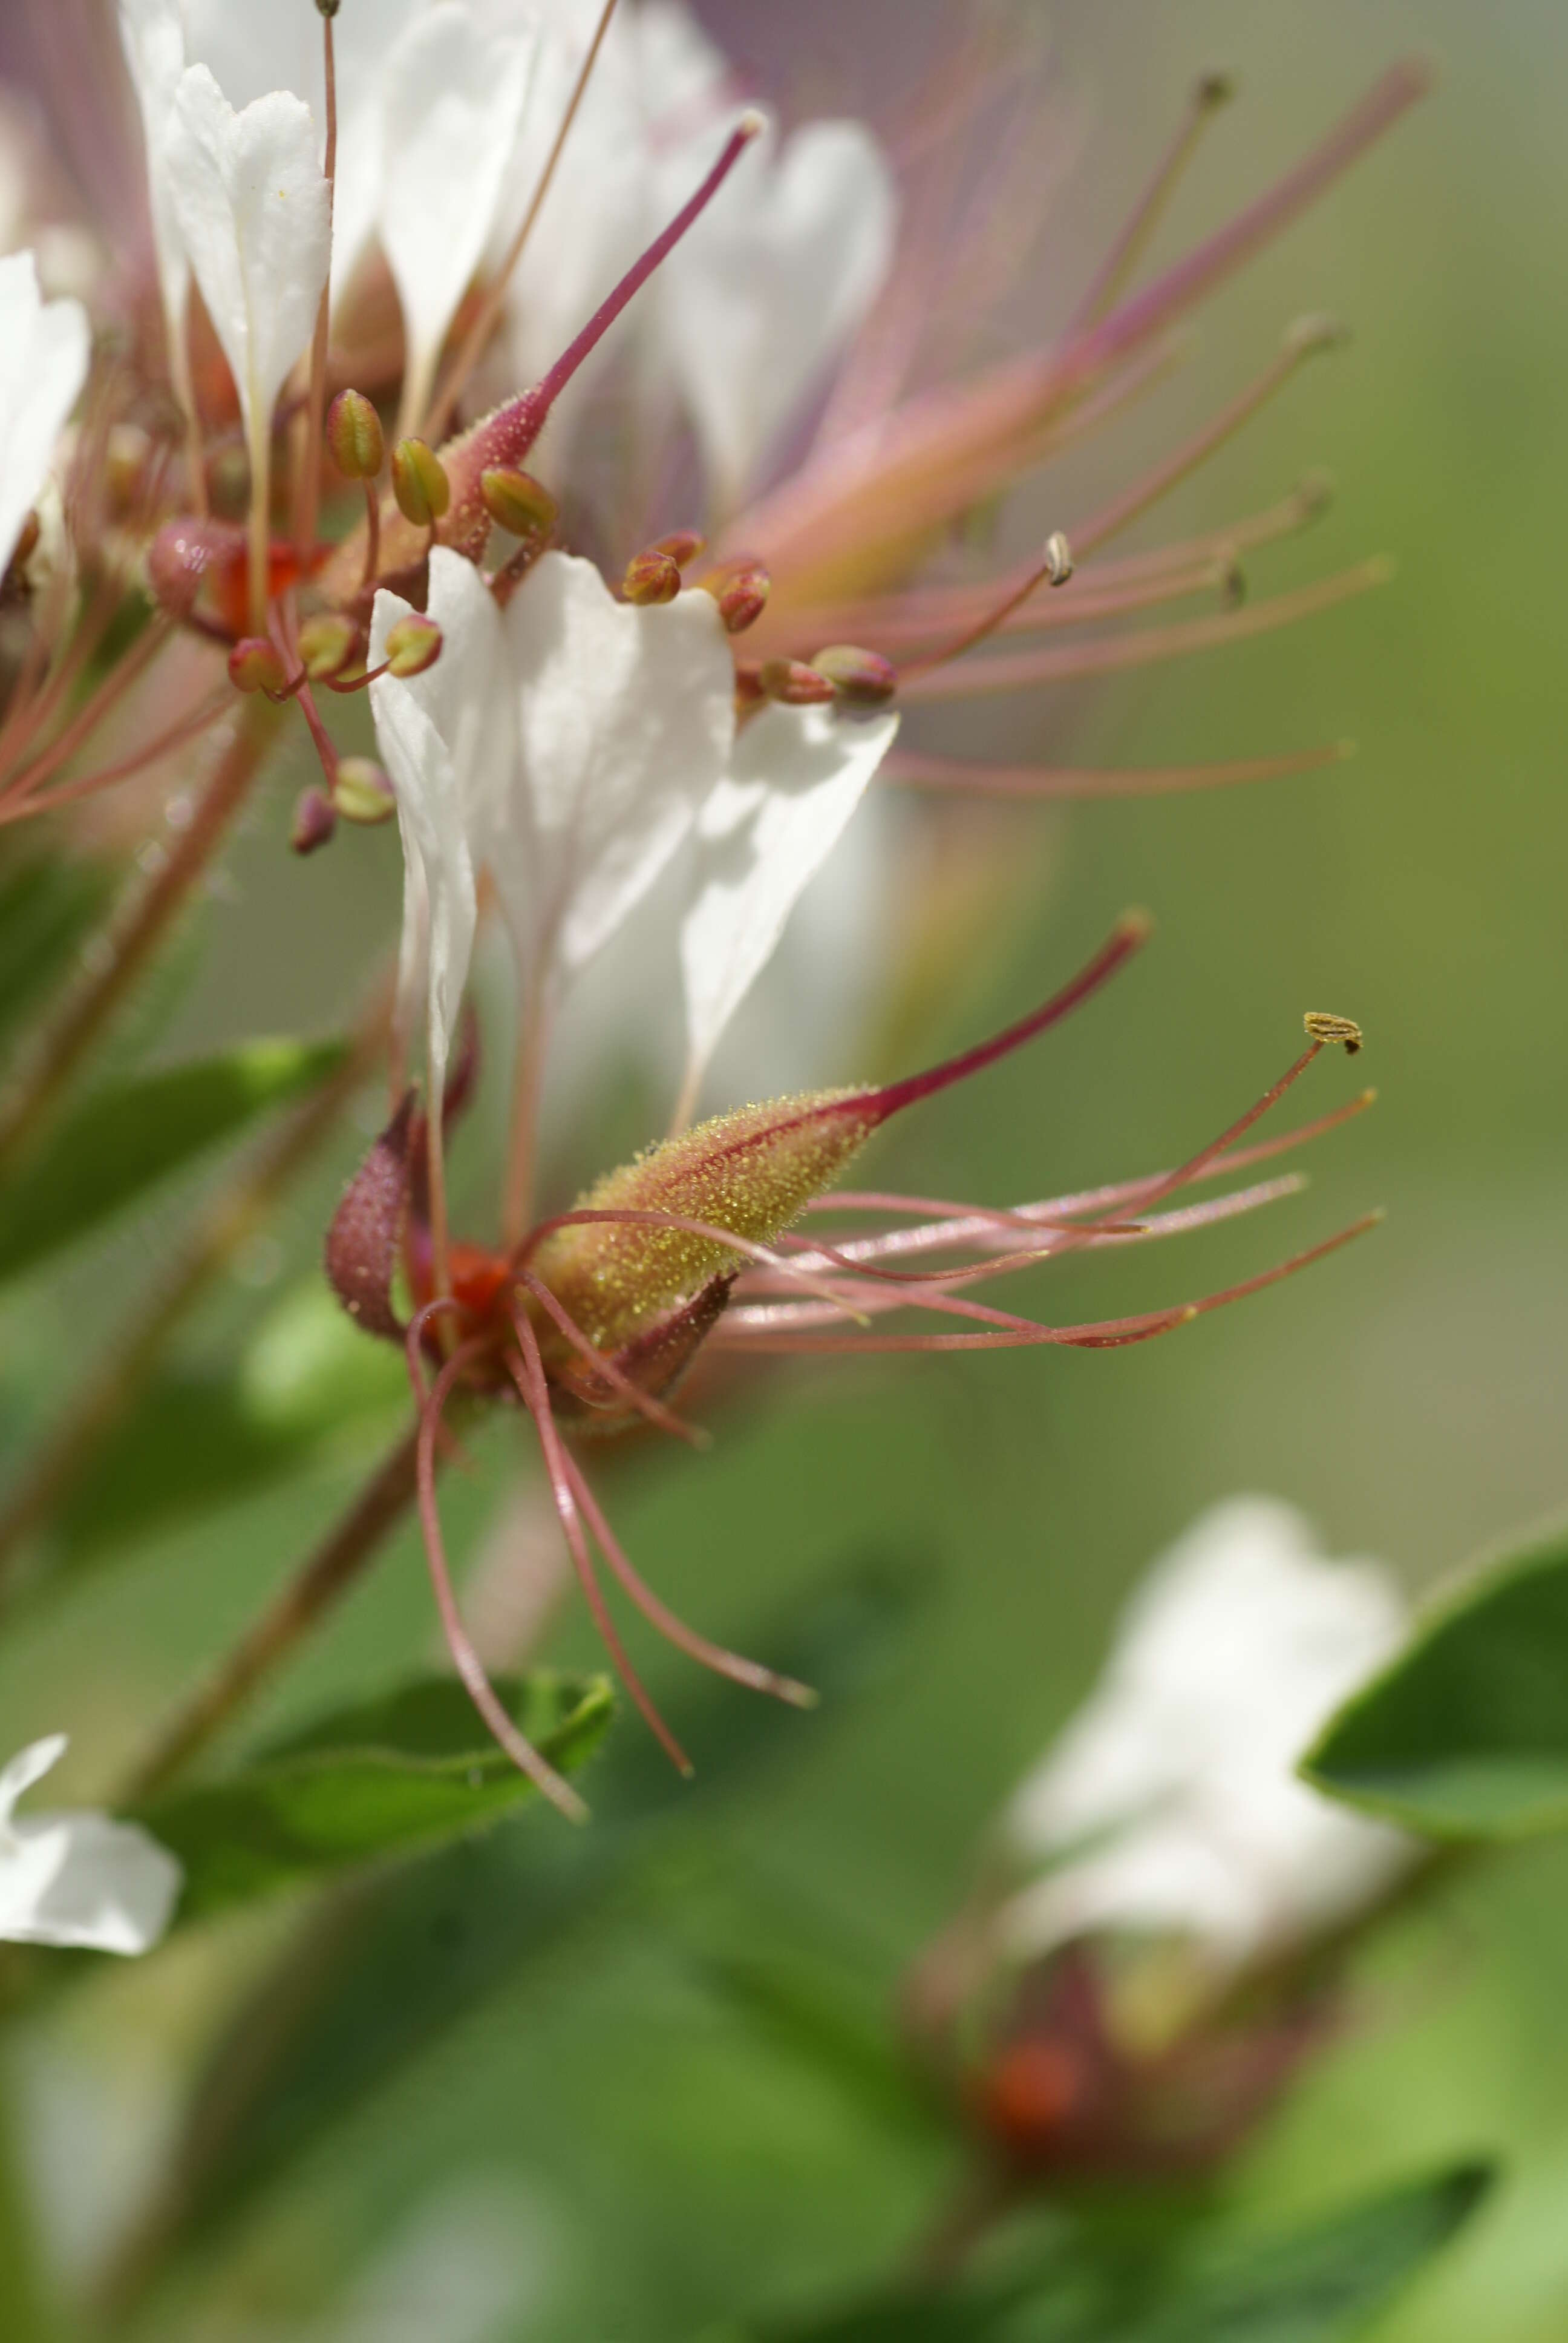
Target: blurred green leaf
(46, 907)
(307, 1384)
(1323, 2283)
(1465, 1735)
(393, 1964)
(811, 2016)
(122, 1139)
(390, 1776)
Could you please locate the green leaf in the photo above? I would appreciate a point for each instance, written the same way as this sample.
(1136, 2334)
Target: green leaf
(46, 907)
(418, 1951)
(403, 1772)
(307, 1385)
(1465, 1735)
(122, 1139)
(809, 2018)
(1325, 2282)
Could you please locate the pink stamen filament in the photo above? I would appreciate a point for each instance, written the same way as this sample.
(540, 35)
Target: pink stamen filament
(464, 1658)
(604, 1366)
(739, 1670)
(529, 1369)
(85, 785)
(910, 770)
(1017, 673)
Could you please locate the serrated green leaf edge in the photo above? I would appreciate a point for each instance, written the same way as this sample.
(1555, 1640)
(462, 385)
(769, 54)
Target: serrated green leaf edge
(1502, 1563)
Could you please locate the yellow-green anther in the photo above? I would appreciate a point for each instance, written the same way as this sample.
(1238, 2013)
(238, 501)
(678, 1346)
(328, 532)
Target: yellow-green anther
(413, 645)
(741, 595)
(860, 678)
(650, 576)
(516, 501)
(354, 436)
(254, 665)
(361, 791)
(327, 641)
(419, 483)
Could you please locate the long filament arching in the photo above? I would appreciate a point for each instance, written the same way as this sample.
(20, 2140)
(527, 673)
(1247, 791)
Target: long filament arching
(697, 1647)
(528, 1373)
(464, 1658)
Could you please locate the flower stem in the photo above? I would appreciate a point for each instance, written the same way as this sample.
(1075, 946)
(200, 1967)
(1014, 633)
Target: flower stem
(321, 1582)
(131, 941)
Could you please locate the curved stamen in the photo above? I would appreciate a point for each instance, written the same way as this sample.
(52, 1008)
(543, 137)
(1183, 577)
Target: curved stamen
(909, 769)
(733, 1664)
(464, 1658)
(529, 1373)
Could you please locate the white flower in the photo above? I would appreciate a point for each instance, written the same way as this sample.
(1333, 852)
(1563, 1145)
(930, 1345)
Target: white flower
(253, 210)
(567, 742)
(451, 99)
(796, 777)
(1170, 1803)
(153, 35)
(78, 1878)
(44, 350)
(753, 304)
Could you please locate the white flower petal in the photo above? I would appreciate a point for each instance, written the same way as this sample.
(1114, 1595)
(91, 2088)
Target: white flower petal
(253, 209)
(625, 724)
(796, 777)
(152, 36)
(1176, 1780)
(43, 351)
(452, 100)
(770, 284)
(445, 739)
(81, 1879)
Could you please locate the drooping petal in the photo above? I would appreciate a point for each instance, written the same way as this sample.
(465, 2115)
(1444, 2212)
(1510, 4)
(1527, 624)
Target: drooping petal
(446, 739)
(769, 285)
(44, 349)
(796, 777)
(81, 1879)
(1177, 1777)
(625, 724)
(253, 208)
(452, 100)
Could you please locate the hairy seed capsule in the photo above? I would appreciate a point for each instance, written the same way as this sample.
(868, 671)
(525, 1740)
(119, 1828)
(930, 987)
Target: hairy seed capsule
(354, 435)
(362, 793)
(651, 577)
(419, 483)
(413, 645)
(518, 502)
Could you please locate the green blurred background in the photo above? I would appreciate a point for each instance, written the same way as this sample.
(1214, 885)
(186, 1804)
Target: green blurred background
(643, 2155)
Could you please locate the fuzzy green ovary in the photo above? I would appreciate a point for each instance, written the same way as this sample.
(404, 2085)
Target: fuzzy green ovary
(751, 1171)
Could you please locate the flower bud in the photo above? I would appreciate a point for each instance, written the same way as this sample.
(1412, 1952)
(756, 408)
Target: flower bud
(178, 560)
(254, 665)
(860, 678)
(327, 641)
(518, 502)
(794, 683)
(741, 596)
(354, 435)
(650, 576)
(419, 483)
(413, 645)
(362, 792)
(314, 821)
(682, 544)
